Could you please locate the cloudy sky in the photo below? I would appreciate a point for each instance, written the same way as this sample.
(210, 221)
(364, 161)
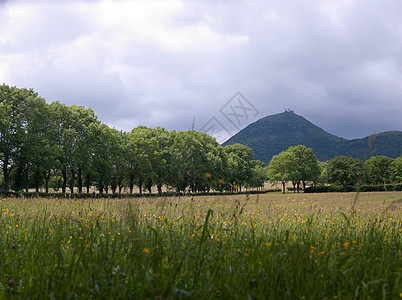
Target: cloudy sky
(180, 64)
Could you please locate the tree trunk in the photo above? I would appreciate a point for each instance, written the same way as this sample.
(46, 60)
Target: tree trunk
(6, 174)
(26, 181)
(88, 182)
(72, 181)
(47, 176)
(64, 185)
(159, 186)
(131, 183)
(79, 178)
(140, 186)
(298, 186)
(283, 187)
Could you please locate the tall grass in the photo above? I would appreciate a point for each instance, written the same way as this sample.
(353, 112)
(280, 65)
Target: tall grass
(257, 247)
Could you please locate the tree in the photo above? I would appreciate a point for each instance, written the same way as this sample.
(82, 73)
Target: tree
(258, 175)
(396, 170)
(119, 160)
(281, 168)
(104, 151)
(38, 152)
(143, 146)
(308, 169)
(239, 162)
(378, 169)
(345, 171)
(197, 161)
(83, 124)
(13, 123)
(161, 157)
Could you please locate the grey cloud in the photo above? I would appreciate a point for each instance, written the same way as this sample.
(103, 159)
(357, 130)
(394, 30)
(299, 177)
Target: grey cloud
(342, 71)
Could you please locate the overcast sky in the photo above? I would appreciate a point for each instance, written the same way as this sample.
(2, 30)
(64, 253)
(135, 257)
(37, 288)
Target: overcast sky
(179, 64)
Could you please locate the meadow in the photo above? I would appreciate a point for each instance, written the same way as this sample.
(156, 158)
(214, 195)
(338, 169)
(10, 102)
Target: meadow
(270, 246)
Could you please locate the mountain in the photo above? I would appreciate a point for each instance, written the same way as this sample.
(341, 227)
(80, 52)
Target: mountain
(273, 134)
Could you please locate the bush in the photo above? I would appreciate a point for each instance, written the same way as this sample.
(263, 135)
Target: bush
(362, 188)
(325, 189)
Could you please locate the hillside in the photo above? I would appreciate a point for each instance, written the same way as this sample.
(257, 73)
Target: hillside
(273, 134)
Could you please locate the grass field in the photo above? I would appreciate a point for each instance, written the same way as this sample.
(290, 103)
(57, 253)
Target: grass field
(271, 246)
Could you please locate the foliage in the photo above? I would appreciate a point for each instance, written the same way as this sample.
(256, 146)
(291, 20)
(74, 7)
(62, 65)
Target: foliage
(345, 171)
(378, 169)
(282, 168)
(297, 164)
(40, 142)
(396, 170)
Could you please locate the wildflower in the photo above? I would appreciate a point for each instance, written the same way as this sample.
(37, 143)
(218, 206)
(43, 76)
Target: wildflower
(268, 244)
(145, 250)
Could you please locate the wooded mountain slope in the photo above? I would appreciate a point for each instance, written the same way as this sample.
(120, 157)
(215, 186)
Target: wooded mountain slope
(273, 134)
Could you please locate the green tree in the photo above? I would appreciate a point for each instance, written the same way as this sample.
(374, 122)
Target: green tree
(197, 161)
(240, 164)
(38, 152)
(258, 175)
(119, 161)
(345, 171)
(281, 168)
(396, 170)
(105, 143)
(378, 169)
(13, 123)
(144, 146)
(307, 169)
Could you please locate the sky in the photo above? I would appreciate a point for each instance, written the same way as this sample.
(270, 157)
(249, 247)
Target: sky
(214, 66)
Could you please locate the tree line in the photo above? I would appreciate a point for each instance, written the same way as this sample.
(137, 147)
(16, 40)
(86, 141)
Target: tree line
(299, 165)
(67, 147)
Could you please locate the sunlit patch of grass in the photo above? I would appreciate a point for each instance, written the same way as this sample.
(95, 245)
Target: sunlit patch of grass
(283, 246)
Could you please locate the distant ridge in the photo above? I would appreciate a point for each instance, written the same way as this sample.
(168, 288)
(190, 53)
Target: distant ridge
(273, 134)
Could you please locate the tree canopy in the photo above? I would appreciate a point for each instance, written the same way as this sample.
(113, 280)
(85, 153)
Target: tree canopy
(42, 143)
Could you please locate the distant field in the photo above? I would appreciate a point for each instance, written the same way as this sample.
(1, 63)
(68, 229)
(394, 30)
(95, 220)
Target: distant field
(292, 246)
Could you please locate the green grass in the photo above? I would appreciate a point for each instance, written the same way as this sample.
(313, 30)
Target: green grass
(273, 246)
